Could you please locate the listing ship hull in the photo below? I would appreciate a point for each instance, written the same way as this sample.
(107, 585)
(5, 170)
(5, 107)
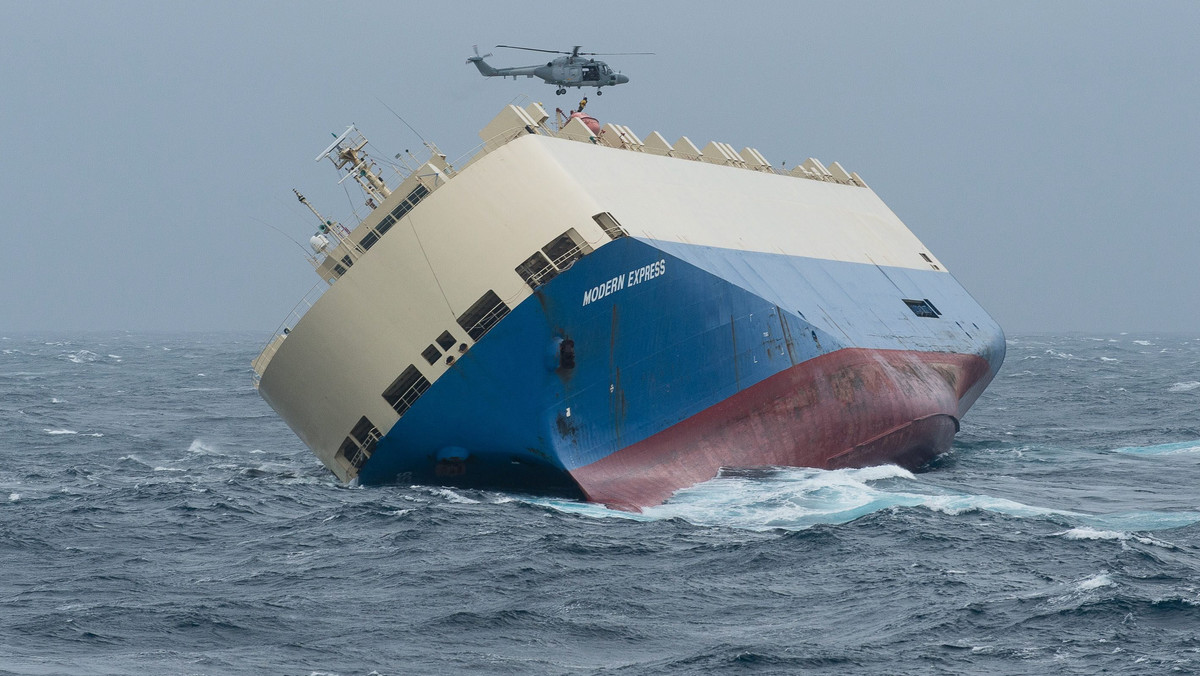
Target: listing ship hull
(681, 375)
(611, 320)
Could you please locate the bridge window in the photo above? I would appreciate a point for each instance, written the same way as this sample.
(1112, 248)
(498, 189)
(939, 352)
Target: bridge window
(402, 209)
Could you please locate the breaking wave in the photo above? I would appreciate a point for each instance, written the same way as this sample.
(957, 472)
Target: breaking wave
(799, 498)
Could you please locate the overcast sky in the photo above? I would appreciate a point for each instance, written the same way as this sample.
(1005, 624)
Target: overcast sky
(1045, 151)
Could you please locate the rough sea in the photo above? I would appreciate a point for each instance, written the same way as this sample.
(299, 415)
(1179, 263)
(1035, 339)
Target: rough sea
(156, 517)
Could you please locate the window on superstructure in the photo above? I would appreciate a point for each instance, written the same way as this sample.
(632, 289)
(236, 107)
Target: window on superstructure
(922, 308)
(364, 431)
(609, 225)
(358, 447)
(566, 249)
(385, 224)
(483, 315)
(347, 261)
(406, 389)
(536, 270)
(446, 340)
(339, 270)
(418, 193)
(369, 241)
(351, 452)
(432, 354)
(401, 209)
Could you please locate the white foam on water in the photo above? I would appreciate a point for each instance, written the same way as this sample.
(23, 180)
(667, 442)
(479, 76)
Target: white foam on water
(1085, 533)
(1101, 533)
(56, 400)
(963, 504)
(1142, 342)
(1096, 581)
(1109, 359)
(1175, 448)
(82, 356)
(1062, 355)
(451, 496)
(13, 497)
(1184, 387)
(1143, 520)
(200, 447)
(800, 498)
(50, 431)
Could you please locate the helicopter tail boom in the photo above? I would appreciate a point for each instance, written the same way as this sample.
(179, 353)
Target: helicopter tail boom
(484, 68)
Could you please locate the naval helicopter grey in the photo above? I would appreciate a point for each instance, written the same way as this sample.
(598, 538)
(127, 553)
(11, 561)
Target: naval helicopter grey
(576, 69)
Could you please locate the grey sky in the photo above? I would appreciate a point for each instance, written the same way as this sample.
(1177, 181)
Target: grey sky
(1044, 151)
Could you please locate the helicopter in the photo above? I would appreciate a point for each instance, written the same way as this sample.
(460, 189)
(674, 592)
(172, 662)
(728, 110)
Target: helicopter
(576, 69)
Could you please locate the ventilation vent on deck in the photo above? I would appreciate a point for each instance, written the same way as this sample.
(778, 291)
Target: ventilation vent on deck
(610, 225)
(358, 447)
(483, 315)
(406, 389)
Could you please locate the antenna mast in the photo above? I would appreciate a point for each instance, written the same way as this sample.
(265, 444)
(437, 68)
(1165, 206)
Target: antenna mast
(346, 153)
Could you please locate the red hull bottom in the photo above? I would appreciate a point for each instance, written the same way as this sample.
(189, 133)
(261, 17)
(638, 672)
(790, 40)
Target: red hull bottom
(850, 408)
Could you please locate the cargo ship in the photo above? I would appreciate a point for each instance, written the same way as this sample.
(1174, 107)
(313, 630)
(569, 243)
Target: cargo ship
(581, 312)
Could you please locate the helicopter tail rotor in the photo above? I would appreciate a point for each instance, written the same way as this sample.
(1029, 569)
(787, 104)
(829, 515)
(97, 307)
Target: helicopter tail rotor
(484, 69)
(477, 57)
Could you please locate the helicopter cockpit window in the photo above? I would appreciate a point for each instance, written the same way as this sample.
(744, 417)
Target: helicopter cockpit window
(591, 73)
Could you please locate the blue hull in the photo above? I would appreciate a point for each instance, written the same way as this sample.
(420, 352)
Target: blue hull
(662, 332)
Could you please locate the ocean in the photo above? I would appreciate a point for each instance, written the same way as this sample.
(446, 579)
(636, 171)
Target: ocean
(156, 517)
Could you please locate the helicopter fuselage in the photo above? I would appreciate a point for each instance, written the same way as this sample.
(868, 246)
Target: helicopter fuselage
(565, 71)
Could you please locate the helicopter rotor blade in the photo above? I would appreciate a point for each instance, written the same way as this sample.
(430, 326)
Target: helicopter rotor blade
(617, 53)
(534, 49)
